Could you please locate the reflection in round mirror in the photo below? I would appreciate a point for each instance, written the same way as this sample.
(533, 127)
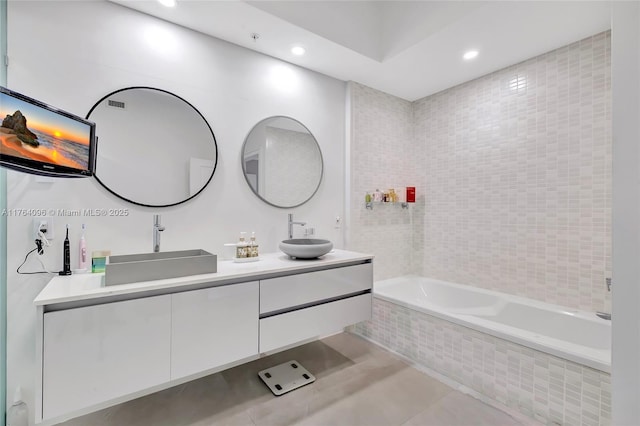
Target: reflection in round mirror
(154, 148)
(282, 162)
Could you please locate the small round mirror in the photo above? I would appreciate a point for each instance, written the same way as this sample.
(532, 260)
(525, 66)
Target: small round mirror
(282, 162)
(154, 148)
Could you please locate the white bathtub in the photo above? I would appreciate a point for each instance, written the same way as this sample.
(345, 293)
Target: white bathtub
(575, 335)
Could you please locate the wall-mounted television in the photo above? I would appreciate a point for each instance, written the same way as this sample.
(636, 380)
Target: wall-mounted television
(40, 139)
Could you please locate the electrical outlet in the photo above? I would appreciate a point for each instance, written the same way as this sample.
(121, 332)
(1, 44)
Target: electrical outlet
(44, 224)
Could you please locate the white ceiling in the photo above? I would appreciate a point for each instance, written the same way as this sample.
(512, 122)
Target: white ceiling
(409, 49)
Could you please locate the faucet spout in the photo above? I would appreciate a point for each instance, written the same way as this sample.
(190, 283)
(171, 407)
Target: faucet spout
(157, 228)
(290, 223)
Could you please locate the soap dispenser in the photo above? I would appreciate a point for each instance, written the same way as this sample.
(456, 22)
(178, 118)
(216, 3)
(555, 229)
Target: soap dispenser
(253, 246)
(241, 247)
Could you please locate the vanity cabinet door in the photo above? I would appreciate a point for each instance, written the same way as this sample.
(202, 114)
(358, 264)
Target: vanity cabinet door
(96, 353)
(213, 327)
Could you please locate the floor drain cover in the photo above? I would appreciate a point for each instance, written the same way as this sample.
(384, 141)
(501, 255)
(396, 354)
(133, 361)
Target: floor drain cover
(286, 377)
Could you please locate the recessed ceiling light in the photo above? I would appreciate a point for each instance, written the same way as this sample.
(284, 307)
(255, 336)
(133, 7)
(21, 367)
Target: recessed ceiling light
(298, 50)
(167, 3)
(470, 54)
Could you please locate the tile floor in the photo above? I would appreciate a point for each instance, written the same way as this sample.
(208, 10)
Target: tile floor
(357, 383)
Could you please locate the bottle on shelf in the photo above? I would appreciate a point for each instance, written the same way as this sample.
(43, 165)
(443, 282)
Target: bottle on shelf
(400, 196)
(241, 247)
(411, 194)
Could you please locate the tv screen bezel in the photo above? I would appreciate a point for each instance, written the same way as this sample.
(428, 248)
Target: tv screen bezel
(48, 169)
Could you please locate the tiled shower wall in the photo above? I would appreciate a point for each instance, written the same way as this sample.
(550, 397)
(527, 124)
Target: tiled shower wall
(384, 155)
(518, 178)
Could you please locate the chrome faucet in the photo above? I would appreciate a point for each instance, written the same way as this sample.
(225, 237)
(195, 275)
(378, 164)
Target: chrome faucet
(157, 229)
(291, 223)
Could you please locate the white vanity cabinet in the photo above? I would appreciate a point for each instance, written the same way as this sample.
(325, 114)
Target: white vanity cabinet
(96, 353)
(213, 327)
(98, 346)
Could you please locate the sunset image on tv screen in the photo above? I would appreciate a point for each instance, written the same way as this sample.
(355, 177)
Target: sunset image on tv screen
(31, 132)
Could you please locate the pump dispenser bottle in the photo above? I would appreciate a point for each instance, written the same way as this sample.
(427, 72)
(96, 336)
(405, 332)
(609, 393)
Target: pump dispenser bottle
(241, 247)
(253, 246)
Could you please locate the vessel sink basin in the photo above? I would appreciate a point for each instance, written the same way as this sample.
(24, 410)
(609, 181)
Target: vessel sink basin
(132, 268)
(306, 248)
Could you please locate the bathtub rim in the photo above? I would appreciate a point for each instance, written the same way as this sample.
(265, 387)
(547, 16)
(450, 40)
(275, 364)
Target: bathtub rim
(546, 344)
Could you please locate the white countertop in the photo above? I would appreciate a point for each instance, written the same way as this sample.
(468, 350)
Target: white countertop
(90, 286)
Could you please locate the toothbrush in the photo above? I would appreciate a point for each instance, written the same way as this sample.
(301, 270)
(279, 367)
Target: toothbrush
(82, 251)
(66, 256)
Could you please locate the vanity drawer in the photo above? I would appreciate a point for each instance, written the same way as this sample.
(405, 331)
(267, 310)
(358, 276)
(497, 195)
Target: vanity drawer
(294, 290)
(292, 327)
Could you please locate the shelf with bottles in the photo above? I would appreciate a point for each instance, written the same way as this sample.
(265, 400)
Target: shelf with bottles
(401, 196)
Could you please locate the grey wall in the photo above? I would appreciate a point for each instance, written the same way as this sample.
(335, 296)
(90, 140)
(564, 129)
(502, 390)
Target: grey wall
(625, 369)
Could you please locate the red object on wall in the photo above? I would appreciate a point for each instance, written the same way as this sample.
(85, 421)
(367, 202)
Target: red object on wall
(411, 194)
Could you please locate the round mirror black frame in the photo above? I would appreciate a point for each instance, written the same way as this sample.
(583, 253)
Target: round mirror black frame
(244, 169)
(215, 144)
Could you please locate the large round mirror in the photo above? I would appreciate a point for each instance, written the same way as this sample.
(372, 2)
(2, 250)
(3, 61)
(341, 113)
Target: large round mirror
(154, 148)
(282, 162)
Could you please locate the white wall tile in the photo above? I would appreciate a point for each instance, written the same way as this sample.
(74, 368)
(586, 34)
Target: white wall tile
(513, 175)
(384, 156)
(518, 178)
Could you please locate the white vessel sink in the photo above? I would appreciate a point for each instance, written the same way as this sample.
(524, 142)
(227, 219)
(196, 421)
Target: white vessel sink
(132, 268)
(305, 248)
